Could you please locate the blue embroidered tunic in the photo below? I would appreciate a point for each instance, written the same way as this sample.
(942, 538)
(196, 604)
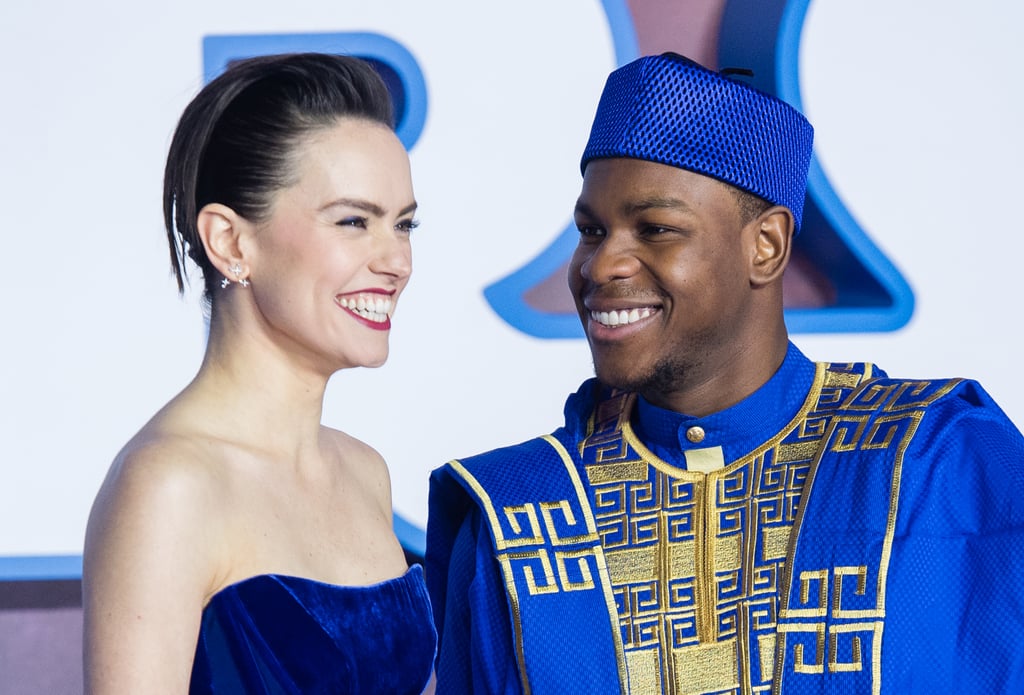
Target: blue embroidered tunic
(836, 529)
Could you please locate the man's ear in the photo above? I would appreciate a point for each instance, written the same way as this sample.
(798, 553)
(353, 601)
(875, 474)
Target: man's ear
(220, 229)
(773, 241)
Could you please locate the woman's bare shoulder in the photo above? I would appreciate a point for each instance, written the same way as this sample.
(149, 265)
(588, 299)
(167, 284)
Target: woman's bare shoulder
(161, 467)
(152, 554)
(362, 463)
(164, 489)
(354, 449)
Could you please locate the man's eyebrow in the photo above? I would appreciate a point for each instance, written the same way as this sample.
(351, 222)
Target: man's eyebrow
(583, 209)
(367, 206)
(655, 203)
(634, 207)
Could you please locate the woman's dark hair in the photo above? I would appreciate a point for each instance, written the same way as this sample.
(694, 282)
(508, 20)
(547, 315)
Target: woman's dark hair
(235, 141)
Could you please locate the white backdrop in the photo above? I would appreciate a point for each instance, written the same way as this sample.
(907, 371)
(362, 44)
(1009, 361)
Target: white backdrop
(917, 119)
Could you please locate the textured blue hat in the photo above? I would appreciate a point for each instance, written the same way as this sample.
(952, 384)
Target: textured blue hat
(670, 110)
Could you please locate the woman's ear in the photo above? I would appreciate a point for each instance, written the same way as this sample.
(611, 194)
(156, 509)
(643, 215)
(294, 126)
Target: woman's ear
(220, 229)
(772, 244)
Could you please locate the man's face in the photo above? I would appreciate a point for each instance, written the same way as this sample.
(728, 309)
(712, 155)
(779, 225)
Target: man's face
(661, 276)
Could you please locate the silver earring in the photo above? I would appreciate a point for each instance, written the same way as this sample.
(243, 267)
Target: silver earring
(236, 269)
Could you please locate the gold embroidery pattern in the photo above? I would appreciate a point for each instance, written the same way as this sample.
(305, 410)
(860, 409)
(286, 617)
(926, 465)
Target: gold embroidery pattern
(534, 525)
(830, 594)
(837, 618)
(571, 561)
(695, 559)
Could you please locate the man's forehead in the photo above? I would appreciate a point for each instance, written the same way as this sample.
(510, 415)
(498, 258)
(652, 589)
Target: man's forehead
(654, 178)
(635, 185)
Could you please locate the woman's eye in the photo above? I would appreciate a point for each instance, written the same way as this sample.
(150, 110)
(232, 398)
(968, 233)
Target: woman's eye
(359, 222)
(589, 231)
(407, 225)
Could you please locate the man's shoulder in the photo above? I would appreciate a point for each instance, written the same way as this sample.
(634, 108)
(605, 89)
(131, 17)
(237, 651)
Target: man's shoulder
(953, 413)
(955, 407)
(948, 394)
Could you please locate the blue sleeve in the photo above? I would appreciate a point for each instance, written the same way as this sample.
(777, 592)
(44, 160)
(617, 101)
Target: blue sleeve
(476, 654)
(957, 572)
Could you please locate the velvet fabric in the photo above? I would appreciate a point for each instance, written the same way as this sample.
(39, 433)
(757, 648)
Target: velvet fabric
(281, 634)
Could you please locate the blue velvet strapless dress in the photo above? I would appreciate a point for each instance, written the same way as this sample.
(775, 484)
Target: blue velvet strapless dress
(280, 634)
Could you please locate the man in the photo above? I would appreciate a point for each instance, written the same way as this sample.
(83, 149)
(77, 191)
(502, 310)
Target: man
(719, 514)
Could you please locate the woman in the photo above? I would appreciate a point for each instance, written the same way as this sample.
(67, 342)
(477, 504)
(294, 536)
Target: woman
(237, 544)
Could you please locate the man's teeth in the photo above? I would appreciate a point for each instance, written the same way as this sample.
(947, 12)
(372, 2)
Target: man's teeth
(371, 308)
(620, 318)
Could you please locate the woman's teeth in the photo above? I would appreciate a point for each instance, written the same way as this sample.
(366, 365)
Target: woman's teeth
(375, 309)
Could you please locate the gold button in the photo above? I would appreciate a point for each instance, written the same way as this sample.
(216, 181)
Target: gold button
(695, 434)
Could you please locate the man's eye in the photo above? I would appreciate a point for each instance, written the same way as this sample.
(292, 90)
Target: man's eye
(589, 231)
(657, 230)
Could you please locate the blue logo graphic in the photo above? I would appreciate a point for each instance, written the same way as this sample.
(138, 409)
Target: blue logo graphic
(839, 281)
(392, 60)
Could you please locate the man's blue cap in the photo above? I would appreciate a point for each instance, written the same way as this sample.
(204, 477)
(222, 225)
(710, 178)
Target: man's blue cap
(670, 110)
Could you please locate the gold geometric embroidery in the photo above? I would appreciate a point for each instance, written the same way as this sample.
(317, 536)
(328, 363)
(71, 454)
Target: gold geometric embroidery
(575, 570)
(800, 664)
(644, 672)
(872, 397)
(801, 451)
(762, 613)
(884, 432)
(772, 511)
(632, 565)
(834, 665)
(856, 648)
(727, 553)
(813, 427)
(696, 560)
(766, 656)
(549, 587)
(861, 574)
(842, 379)
(611, 452)
(705, 667)
(605, 473)
(534, 536)
(848, 432)
(923, 393)
(682, 559)
(587, 578)
(775, 542)
(807, 578)
(546, 509)
(645, 529)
